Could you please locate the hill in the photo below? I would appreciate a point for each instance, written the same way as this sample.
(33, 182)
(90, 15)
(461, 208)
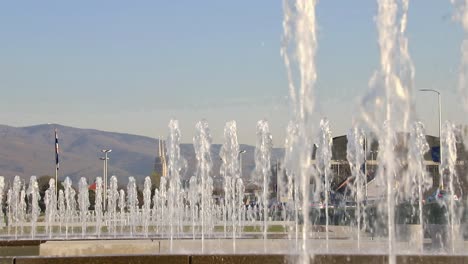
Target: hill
(27, 151)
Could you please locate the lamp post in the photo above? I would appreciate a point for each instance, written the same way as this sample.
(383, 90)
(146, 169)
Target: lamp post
(441, 182)
(104, 159)
(240, 160)
(105, 151)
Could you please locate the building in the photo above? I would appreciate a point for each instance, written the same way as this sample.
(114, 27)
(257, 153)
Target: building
(342, 173)
(160, 164)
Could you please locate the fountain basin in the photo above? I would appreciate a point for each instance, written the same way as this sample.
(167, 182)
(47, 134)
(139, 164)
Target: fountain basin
(75, 248)
(226, 258)
(19, 247)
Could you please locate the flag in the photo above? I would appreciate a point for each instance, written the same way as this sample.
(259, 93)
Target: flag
(56, 150)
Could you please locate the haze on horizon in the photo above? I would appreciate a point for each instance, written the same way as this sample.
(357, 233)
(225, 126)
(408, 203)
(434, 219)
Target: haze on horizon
(130, 67)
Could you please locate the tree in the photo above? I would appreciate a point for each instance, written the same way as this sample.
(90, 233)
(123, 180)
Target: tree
(92, 199)
(43, 183)
(155, 180)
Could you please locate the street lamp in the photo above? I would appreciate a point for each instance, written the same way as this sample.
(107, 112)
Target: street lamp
(440, 128)
(240, 160)
(105, 151)
(103, 166)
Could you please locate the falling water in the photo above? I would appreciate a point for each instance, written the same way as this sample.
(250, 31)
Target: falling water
(69, 202)
(50, 201)
(155, 217)
(98, 206)
(263, 167)
(323, 164)
(146, 210)
(356, 157)
(22, 208)
(290, 159)
(390, 100)
(112, 204)
(417, 173)
(9, 212)
(61, 209)
(228, 193)
(122, 206)
(162, 198)
(461, 14)
(193, 199)
(14, 204)
(410, 184)
(386, 174)
(386, 111)
(33, 193)
(175, 165)
(448, 173)
(230, 169)
(300, 40)
(2, 186)
(73, 206)
(83, 204)
(239, 202)
(132, 204)
(202, 144)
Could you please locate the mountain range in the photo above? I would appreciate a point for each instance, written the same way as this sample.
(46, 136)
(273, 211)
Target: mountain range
(27, 151)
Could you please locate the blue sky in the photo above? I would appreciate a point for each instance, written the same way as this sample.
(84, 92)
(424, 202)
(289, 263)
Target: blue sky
(130, 66)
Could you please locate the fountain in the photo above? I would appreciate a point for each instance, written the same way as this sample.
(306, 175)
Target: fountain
(356, 156)
(122, 208)
(175, 165)
(203, 186)
(98, 205)
(33, 192)
(300, 39)
(61, 209)
(83, 203)
(321, 178)
(310, 216)
(112, 200)
(146, 209)
(175, 212)
(50, 201)
(132, 205)
(448, 172)
(263, 167)
(22, 206)
(418, 181)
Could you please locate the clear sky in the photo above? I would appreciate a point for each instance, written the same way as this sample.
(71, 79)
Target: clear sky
(130, 66)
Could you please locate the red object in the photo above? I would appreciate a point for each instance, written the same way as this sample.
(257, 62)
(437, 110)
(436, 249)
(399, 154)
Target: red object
(92, 187)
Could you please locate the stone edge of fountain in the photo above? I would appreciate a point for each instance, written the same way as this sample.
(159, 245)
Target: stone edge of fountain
(250, 258)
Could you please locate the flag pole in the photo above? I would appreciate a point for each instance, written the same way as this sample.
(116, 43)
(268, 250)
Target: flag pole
(56, 178)
(56, 161)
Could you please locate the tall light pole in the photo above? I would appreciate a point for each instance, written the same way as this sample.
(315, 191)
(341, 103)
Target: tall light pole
(104, 159)
(105, 151)
(240, 160)
(103, 166)
(441, 181)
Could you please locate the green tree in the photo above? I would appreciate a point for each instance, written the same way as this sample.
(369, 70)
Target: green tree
(43, 183)
(92, 199)
(155, 180)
